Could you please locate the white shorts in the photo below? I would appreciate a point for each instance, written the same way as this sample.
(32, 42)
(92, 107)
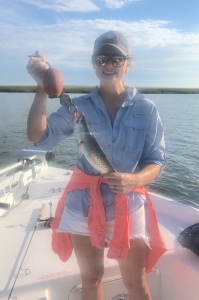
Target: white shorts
(76, 224)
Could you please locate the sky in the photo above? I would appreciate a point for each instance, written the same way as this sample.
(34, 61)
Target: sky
(163, 36)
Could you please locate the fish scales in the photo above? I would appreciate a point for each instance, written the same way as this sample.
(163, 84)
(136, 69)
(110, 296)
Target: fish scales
(89, 147)
(96, 155)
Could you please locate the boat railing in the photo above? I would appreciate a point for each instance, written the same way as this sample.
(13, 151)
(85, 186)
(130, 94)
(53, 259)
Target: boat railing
(30, 164)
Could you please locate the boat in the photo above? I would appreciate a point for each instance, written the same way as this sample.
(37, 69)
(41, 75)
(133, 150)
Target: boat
(29, 192)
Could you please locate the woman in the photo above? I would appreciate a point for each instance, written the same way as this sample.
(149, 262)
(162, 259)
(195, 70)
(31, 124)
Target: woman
(129, 129)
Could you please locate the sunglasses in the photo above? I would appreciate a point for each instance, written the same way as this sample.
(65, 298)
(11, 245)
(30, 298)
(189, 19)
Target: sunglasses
(116, 60)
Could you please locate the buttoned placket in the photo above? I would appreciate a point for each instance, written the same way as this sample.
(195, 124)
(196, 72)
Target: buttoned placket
(101, 106)
(112, 128)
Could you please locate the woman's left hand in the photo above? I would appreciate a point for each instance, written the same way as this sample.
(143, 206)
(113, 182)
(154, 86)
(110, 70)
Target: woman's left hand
(121, 183)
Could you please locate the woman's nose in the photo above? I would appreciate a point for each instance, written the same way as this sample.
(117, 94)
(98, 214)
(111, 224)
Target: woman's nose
(109, 64)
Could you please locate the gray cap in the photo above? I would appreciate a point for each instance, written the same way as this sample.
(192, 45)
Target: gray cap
(112, 38)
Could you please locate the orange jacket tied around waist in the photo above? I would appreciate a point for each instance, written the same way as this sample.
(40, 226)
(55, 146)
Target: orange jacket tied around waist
(118, 248)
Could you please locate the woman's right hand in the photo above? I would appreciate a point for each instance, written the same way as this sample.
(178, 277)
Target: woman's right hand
(36, 67)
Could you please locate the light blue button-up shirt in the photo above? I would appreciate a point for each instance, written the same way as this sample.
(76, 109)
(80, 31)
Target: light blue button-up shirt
(134, 140)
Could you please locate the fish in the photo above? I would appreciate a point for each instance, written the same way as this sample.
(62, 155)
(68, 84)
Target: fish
(90, 148)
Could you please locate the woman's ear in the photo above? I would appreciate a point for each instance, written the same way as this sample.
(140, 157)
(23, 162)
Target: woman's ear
(128, 65)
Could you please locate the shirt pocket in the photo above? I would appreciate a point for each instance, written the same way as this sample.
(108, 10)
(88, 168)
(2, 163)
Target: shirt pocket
(135, 129)
(96, 127)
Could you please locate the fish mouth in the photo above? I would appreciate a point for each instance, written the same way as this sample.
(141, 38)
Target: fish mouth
(81, 121)
(79, 118)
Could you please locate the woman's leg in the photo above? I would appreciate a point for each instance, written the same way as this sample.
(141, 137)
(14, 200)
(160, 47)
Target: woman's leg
(91, 263)
(133, 271)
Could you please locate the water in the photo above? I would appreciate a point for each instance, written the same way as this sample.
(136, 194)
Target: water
(179, 114)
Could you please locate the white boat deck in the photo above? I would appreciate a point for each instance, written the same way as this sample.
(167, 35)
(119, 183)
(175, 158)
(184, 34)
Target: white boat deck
(44, 276)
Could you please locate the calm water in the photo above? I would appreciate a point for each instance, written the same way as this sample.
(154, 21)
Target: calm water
(180, 116)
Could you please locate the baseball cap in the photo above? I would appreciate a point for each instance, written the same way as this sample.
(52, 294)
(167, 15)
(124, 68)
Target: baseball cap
(112, 38)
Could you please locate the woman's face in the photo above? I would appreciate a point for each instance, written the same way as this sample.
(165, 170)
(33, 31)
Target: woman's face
(110, 74)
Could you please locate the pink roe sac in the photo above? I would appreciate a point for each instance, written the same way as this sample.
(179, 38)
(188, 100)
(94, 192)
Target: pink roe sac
(53, 82)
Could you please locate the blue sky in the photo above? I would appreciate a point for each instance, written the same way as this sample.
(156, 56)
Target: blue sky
(163, 36)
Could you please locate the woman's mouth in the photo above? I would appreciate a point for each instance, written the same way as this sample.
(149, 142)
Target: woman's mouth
(108, 73)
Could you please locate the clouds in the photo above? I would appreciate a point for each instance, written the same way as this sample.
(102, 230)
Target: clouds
(75, 37)
(118, 3)
(61, 6)
(67, 41)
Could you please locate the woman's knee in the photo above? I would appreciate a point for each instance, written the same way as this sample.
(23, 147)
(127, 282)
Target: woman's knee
(91, 280)
(133, 271)
(90, 260)
(133, 282)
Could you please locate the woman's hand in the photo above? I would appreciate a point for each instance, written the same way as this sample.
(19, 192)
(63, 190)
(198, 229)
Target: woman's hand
(121, 183)
(36, 67)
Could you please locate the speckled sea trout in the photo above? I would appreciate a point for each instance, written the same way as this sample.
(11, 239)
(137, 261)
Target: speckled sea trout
(89, 147)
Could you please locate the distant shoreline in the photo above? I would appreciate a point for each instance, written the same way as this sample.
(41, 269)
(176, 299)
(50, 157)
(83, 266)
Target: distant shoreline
(87, 89)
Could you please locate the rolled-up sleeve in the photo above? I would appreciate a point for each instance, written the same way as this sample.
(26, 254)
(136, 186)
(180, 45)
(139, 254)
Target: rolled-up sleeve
(154, 146)
(59, 127)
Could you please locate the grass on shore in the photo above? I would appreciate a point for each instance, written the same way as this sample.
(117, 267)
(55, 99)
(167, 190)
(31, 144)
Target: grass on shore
(87, 89)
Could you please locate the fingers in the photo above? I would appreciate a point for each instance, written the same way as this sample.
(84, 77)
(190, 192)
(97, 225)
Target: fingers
(36, 67)
(119, 189)
(113, 178)
(120, 183)
(115, 182)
